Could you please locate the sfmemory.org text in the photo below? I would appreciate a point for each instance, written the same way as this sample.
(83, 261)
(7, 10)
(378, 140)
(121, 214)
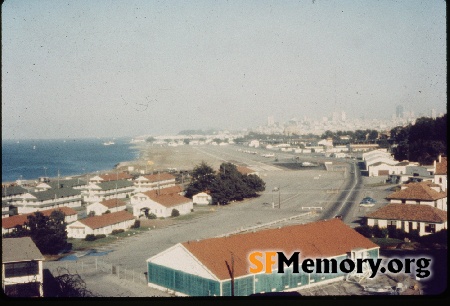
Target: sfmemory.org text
(261, 261)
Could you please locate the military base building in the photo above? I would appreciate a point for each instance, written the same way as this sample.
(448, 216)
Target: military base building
(220, 266)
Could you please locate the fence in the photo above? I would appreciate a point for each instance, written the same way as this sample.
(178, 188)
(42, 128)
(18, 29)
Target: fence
(97, 264)
(242, 230)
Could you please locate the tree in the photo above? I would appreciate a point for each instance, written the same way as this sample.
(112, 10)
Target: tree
(175, 213)
(254, 182)
(228, 184)
(202, 179)
(421, 142)
(71, 285)
(48, 233)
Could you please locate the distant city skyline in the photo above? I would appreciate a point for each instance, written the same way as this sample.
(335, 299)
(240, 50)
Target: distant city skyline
(74, 69)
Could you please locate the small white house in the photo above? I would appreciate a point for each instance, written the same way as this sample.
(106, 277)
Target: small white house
(202, 198)
(424, 218)
(103, 224)
(113, 205)
(162, 205)
(254, 143)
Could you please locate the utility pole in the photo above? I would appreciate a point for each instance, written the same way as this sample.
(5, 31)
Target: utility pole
(232, 274)
(279, 198)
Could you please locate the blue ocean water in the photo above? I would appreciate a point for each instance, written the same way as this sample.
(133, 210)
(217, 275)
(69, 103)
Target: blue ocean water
(31, 159)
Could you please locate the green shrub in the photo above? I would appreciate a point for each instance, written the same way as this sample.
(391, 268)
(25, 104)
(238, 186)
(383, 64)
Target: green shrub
(396, 233)
(364, 230)
(151, 216)
(100, 236)
(90, 237)
(414, 235)
(376, 231)
(137, 224)
(438, 237)
(175, 213)
(117, 231)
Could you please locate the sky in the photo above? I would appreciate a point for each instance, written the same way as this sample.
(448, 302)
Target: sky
(73, 69)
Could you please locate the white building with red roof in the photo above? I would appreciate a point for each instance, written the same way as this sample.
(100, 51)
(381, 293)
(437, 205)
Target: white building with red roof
(423, 218)
(220, 266)
(202, 198)
(10, 223)
(423, 193)
(107, 177)
(440, 174)
(154, 181)
(111, 205)
(98, 225)
(160, 203)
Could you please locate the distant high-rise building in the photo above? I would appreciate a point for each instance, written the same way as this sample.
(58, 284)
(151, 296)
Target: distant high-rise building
(399, 111)
(335, 117)
(433, 113)
(270, 121)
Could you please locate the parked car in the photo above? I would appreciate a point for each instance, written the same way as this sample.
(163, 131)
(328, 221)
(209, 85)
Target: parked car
(368, 199)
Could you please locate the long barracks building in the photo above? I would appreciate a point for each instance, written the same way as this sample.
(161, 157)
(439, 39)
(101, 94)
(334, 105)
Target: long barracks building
(207, 267)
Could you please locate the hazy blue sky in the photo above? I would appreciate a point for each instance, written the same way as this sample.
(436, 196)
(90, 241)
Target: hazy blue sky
(126, 68)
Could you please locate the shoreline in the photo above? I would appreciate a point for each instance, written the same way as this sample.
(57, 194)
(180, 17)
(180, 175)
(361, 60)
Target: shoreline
(136, 147)
(150, 158)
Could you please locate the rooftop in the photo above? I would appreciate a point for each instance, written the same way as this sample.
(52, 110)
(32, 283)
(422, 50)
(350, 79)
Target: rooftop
(111, 203)
(441, 167)
(20, 249)
(317, 239)
(407, 212)
(159, 177)
(169, 200)
(13, 221)
(164, 191)
(107, 219)
(417, 191)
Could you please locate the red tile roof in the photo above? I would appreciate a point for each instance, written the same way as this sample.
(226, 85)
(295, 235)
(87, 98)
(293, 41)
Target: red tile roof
(16, 220)
(169, 200)
(418, 191)
(159, 177)
(317, 239)
(441, 167)
(163, 191)
(410, 212)
(115, 176)
(244, 170)
(107, 219)
(111, 203)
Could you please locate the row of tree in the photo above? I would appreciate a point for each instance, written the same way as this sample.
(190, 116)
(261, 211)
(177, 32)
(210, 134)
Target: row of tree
(224, 186)
(422, 141)
(354, 136)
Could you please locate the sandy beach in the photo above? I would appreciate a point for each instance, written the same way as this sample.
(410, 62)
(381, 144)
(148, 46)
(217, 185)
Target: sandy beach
(160, 158)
